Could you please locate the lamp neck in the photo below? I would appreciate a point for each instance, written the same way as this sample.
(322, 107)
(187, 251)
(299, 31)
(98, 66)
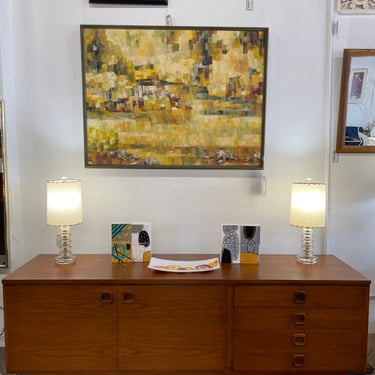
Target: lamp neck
(64, 243)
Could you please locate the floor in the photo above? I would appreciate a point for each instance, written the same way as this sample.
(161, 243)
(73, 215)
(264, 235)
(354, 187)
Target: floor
(2, 362)
(371, 353)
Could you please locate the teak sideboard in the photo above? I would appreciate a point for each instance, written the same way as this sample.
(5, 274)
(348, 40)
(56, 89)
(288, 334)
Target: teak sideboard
(277, 317)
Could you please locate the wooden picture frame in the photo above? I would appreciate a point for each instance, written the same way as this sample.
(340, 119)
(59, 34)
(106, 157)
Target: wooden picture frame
(174, 97)
(130, 2)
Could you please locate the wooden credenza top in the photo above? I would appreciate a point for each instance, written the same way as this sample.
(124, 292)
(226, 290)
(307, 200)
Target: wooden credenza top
(272, 269)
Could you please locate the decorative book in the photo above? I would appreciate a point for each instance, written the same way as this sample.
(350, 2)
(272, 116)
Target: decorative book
(240, 243)
(131, 242)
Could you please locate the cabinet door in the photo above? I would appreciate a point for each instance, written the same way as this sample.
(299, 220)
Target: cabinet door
(60, 328)
(178, 328)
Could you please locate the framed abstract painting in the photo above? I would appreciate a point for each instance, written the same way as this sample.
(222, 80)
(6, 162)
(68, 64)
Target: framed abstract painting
(174, 97)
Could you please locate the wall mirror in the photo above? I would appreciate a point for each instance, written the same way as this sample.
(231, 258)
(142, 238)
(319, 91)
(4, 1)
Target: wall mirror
(4, 227)
(356, 120)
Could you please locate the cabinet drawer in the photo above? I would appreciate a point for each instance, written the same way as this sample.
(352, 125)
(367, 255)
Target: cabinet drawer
(312, 296)
(309, 340)
(259, 361)
(59, 298)
(269, 319)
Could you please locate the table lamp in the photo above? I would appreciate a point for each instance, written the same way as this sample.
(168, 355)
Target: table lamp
(64, 209)
(308, 210)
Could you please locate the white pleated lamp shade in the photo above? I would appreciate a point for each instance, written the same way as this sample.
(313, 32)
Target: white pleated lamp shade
(64, 202)
(308, 205)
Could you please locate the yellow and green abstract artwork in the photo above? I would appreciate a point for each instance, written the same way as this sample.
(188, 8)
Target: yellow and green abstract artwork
(174, 97)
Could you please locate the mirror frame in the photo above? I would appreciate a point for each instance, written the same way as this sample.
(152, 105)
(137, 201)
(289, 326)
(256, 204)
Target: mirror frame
(343, 104)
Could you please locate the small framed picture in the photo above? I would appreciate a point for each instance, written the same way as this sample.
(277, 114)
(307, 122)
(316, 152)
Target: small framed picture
(240, 243)
(357, 85)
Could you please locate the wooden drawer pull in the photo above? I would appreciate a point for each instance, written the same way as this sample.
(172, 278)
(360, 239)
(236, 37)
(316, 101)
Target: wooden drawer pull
(299, 319)
(128, 297)
(299, 339)
(106, 297)
(300, 297)
(298, 360)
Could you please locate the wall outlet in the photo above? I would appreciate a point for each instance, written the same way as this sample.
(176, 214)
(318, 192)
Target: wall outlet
(249, 4)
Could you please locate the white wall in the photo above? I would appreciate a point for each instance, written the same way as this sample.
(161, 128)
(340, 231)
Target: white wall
(186, 208)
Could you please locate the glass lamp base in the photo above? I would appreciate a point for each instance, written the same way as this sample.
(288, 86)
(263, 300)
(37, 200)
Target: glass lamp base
(64, 259)
(302, 258)
(307, 256)
(64, 243)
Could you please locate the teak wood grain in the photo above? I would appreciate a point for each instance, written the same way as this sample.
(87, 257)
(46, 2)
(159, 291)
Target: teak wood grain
(171, 319)
(277, 317)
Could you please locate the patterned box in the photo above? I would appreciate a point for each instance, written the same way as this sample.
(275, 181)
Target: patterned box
(240, 243)
(131, 242)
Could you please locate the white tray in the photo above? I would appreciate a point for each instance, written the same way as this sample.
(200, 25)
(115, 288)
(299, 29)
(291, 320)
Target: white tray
(169, 265)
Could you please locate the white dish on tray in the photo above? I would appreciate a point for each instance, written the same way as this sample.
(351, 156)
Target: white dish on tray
(169, 265)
